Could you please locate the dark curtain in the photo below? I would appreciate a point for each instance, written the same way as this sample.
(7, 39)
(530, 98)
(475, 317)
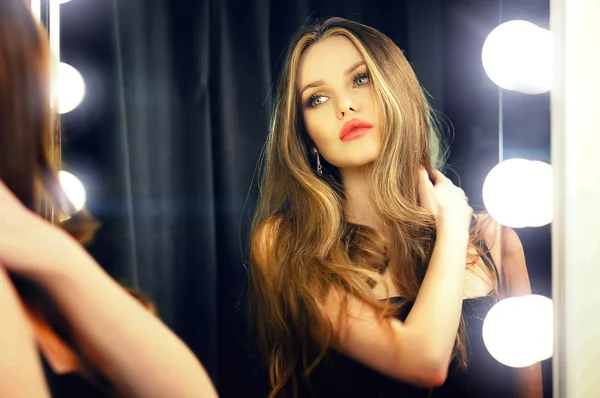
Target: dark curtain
(186, 98)
(179, 98)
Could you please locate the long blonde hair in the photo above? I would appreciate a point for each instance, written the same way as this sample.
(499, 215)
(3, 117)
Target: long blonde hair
(301, 243)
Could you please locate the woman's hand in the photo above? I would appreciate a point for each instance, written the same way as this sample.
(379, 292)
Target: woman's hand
(447, 202)
(138, 353)
(30, 246)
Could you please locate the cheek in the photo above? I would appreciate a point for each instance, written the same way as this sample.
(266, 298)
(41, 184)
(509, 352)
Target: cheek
(315, 127)
(373, 109)
(367, 101)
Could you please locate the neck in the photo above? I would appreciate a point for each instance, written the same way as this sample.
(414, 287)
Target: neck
(359, 206)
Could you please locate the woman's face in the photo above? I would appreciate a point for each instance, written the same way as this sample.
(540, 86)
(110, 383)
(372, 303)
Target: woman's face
(338, 104)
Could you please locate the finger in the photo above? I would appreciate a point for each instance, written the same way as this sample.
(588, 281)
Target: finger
(425, 189)
(424, 180)
(437, 177)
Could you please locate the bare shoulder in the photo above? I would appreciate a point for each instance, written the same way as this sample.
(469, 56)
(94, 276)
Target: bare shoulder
(508, 254)
(489, 226)
(514, 264)
(499, 236)
(511, 244)
(503, 242)
(492, 233)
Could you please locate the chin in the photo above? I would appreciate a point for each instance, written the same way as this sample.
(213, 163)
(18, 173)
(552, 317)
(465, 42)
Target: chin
(365, 153)
(369, 155)
(358, 161)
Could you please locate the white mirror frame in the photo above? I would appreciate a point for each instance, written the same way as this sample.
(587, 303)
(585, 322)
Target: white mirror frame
(575, 142)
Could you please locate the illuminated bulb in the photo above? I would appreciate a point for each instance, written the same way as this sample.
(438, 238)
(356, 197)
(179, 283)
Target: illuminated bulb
(517, 56)
(518, 331)
(541, 193)
(73, 188)
(70, 88)
(518, 193)
(503, 193)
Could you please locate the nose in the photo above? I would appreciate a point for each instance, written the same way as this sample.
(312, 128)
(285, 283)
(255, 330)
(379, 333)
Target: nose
(346, 106)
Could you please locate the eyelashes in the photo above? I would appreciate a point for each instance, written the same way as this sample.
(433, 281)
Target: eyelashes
(361, 76)
(359, 80)
(311, 102)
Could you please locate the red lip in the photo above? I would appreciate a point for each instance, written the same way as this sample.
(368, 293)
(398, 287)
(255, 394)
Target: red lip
(353, 129)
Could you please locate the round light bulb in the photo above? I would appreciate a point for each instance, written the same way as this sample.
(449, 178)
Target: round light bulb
(518, 331)
(73, 188)
(540, 194)
(517, 56)
(518, 193)
(70, 88)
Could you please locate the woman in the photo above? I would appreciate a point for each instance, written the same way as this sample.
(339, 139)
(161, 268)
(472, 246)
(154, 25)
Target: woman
(108, 328)
(369, 273)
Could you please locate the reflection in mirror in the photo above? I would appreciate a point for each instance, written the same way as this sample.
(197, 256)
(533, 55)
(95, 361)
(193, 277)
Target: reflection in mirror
(175, 113)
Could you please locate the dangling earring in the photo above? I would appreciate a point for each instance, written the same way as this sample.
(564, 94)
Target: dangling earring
(319, 167)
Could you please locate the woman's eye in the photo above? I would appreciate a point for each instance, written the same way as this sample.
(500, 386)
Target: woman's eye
(316, 100)
(361, 79)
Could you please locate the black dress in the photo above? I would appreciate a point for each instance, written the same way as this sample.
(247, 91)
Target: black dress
(484, 377)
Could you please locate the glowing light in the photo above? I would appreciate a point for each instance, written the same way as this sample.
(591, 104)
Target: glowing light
(518, 193)
(74, 189)
(517, 56)
(70, 88)
(518, 331)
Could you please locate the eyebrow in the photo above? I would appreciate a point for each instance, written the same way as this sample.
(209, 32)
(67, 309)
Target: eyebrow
(321, 82)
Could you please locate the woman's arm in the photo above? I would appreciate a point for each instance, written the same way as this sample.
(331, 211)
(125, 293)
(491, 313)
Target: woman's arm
(21, 371)
(417, 351)
(132, 347)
